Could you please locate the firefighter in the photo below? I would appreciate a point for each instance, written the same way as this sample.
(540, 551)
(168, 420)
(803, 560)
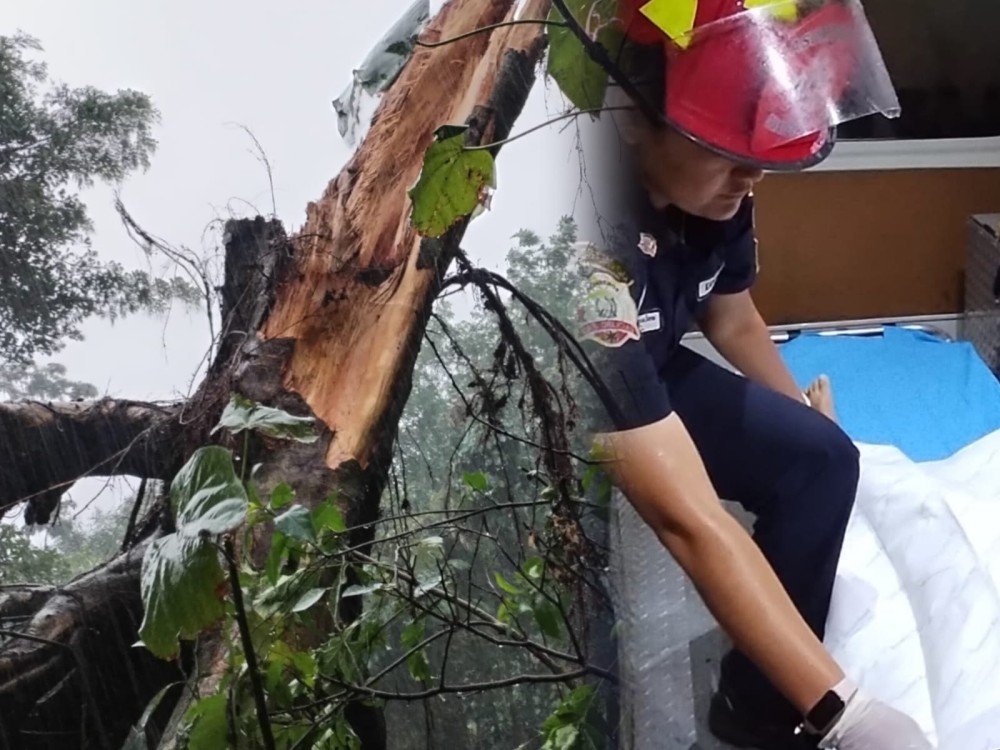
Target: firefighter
(737, 88)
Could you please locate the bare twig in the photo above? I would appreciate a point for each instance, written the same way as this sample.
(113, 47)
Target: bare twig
(140, 498)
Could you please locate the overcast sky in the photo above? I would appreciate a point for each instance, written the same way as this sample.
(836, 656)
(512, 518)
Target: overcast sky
(273, 67)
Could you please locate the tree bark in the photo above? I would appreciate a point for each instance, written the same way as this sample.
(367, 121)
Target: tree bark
(70, 677)
(326, 324)
(46, 447)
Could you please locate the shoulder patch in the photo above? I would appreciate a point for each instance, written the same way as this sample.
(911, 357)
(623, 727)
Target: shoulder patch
(606, 314)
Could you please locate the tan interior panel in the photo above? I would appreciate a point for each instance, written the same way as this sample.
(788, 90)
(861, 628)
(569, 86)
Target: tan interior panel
(844, 245)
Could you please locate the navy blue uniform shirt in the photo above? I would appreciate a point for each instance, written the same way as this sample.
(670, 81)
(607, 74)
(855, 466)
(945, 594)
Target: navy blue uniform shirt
(649, 279)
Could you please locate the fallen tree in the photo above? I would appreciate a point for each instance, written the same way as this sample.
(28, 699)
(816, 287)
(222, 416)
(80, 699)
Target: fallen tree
(324, 327)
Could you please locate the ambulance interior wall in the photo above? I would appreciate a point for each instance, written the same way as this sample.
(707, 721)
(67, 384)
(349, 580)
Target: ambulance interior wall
(851, 245)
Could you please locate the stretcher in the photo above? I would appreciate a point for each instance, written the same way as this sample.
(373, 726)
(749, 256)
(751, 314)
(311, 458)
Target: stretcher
(915, 617)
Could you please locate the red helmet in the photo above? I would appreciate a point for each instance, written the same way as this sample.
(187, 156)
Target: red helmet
(764, 82)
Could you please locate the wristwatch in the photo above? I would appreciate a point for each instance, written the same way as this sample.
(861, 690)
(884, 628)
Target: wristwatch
(821, 719)
(824, 716)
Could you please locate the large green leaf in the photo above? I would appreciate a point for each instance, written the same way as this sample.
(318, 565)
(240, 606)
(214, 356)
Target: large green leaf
(182, 580)
(327, 516)
(242, 414)
(583, 81)
(209, 726)
(296, 522)
(566, 727)
(207, 496)
(548, 617)
(182, 587)
(451, 183)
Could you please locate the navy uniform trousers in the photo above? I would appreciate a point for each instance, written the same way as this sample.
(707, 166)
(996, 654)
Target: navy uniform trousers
(790, 466)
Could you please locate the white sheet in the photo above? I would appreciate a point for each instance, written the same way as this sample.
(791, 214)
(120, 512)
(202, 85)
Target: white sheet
(916, 610)
(915, 617)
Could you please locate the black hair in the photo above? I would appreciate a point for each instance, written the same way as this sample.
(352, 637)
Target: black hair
(644, 65)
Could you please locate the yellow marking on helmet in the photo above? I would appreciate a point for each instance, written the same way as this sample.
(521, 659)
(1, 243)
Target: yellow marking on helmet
(785, 10)
(675, 18)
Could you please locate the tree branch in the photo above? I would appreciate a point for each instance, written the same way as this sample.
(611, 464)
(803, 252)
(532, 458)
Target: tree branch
(472, 687)
(77, 640)
(46, 447)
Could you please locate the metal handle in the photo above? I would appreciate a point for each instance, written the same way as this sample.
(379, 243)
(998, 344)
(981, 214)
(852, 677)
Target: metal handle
(996, 287)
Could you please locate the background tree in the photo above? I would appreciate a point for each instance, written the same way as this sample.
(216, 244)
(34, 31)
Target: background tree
(19, 381)
(54, 141)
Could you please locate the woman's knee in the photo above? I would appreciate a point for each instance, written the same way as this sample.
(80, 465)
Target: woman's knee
(822, 471)
(832, 469)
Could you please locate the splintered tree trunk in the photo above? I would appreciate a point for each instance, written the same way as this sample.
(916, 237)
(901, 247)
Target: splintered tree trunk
(326, 324)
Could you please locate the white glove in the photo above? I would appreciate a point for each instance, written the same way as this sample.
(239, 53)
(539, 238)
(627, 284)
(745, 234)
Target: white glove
(867, 724)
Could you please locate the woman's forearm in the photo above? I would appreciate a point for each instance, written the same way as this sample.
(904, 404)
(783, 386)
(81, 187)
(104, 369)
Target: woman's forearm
(736, 329)
(661, 473)
(750, 350)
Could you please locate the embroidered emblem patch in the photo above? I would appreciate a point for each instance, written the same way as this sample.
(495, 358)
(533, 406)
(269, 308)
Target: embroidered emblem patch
(647, 243)
(606, 313)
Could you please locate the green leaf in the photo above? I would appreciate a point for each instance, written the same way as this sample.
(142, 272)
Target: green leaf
(582, 80)
(275, 557)
(451, 182)
(412, 634)
(285, 593)
(358, 590)
(274, 675)
(305, 664)
(417, 663)
(206, 494)
(281, 496)
(182, 589)
(549, 618)
(534, 567)
(242, 414)
(296, 522)
(562, 738)
(573, 710)
(137, 734)
(308, 599)
(477, 481)
(420, 668)
(326, 515)
(505, 584)
(209, 727)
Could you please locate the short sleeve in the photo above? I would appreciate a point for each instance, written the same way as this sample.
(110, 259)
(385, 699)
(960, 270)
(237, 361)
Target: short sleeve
(628, 392)
(738, 247)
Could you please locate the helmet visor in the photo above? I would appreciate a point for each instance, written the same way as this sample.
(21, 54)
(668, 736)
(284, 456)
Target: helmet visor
(780, 71)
